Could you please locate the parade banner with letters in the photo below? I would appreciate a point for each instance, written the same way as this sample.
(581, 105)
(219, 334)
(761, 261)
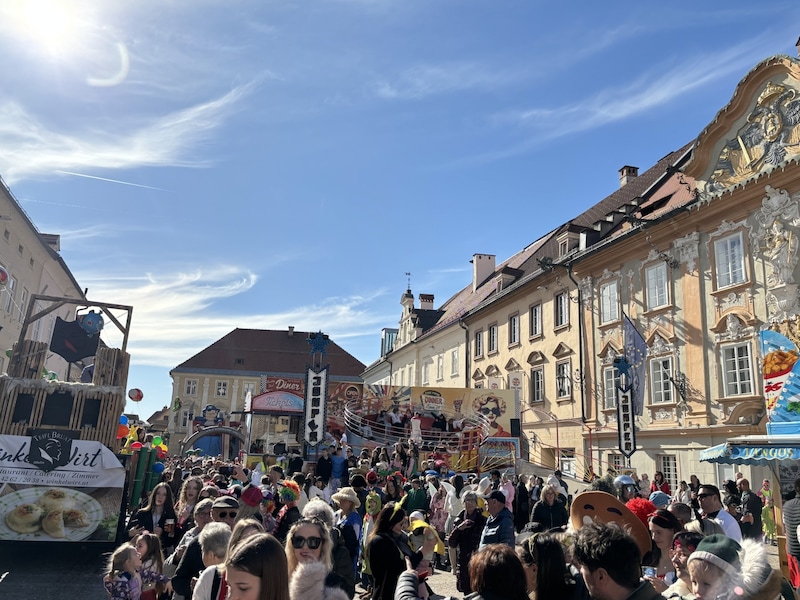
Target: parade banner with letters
(55, 488)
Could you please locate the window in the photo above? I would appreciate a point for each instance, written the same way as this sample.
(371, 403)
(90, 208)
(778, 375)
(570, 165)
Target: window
(402, 377)
(609, 302)
(537, 384)
(492, 338)
(656, 281)
(439, 367)
(454, 361)
(221, 389)
(668, 465)
(479, 342)
(425, 371)
(737, 373)
(10, 286)
(535, 320)
(610, 383)
(616, 462)
(184, 419)
(729, 259)
(660, 384)
(567, 462)
(191, 387)
(562, 309)
(248, 386)
(23, 301)
(563, 380)
(513, 329)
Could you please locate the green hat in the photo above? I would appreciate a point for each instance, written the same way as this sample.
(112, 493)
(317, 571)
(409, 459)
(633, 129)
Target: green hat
(721, 551)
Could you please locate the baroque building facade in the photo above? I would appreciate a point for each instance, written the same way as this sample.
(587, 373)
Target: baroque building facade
(700, 252)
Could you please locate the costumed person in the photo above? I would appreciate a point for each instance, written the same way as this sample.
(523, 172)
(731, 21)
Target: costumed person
(289, 514)
(372, 505)
(266, 508)
(438, 518)
(211, 445)
(421, 531)
(768, 522)
(683, 544)
(125, 576)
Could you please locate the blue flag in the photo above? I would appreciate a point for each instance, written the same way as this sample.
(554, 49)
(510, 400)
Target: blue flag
(635, 350)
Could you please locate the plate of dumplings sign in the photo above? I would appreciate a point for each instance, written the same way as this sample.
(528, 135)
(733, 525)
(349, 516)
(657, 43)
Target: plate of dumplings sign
(48, 514)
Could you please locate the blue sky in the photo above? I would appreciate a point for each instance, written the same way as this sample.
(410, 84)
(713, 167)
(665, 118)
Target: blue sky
(220, 164)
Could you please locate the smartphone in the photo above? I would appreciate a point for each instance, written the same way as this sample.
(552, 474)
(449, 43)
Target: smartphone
(226, 470)
(649, 572)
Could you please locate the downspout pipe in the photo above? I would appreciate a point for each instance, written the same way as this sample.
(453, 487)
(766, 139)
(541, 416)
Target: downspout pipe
(568, 267)
(466, 351)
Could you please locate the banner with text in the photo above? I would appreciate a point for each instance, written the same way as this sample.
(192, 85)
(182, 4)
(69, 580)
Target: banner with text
(55, 488)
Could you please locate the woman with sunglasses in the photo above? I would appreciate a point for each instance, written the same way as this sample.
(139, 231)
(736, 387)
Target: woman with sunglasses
(308, 553)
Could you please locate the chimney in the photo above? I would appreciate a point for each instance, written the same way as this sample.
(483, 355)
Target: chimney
(627, 173)
(291, 330)
(482, 269)
(426, 301)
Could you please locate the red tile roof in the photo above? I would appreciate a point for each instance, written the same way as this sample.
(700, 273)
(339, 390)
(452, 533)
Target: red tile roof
(267, 351)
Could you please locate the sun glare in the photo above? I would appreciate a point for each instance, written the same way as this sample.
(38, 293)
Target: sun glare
(50, 24)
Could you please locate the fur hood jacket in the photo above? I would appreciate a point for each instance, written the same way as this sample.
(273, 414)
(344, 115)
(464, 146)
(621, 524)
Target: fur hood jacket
(308, 582)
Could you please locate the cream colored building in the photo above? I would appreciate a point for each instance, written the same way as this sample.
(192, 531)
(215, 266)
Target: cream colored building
(700, 251)
(34, 266)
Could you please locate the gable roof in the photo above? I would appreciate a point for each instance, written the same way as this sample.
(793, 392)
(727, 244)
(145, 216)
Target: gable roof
(264, 351)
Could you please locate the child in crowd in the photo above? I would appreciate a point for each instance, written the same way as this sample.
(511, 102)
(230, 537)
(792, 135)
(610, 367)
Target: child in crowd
(768, 522)
(148, 547)
(124, 579)
(722, 569)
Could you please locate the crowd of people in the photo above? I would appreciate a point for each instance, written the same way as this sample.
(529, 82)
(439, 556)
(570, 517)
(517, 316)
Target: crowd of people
(382, 524)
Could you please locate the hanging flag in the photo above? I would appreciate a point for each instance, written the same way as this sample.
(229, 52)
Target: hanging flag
(635, 350)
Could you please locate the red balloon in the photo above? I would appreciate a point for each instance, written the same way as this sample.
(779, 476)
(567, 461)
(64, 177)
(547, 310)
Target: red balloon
(136, 446)
(135, 394)
(122, 431)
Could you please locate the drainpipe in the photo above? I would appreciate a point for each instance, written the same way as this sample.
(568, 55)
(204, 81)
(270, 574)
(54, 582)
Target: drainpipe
(568, 267)
(466, 352)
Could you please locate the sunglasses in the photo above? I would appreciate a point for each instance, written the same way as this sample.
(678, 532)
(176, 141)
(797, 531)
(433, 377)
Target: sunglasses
(299, 541)
(225, 514)
(487, 411)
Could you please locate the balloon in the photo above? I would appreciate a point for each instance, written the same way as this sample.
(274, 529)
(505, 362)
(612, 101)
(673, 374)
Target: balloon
(122, 431)
(163, 446)
(158, 468)
(136, 445)
(157, 440)
(135, 394)
(123, 420)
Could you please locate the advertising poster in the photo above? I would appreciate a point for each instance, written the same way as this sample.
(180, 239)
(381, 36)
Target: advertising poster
(500, 454)
(498, 407)
(55, 488)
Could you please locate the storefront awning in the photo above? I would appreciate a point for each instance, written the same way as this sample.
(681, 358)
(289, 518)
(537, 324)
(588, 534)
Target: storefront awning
(754, 450)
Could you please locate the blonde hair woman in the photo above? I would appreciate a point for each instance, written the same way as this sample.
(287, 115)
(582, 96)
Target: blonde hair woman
(308, 554)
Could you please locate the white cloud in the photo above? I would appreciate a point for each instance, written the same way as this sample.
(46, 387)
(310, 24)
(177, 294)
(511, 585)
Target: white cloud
(28, 147)
(425, 80)
(176, 315)
(635, 97)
